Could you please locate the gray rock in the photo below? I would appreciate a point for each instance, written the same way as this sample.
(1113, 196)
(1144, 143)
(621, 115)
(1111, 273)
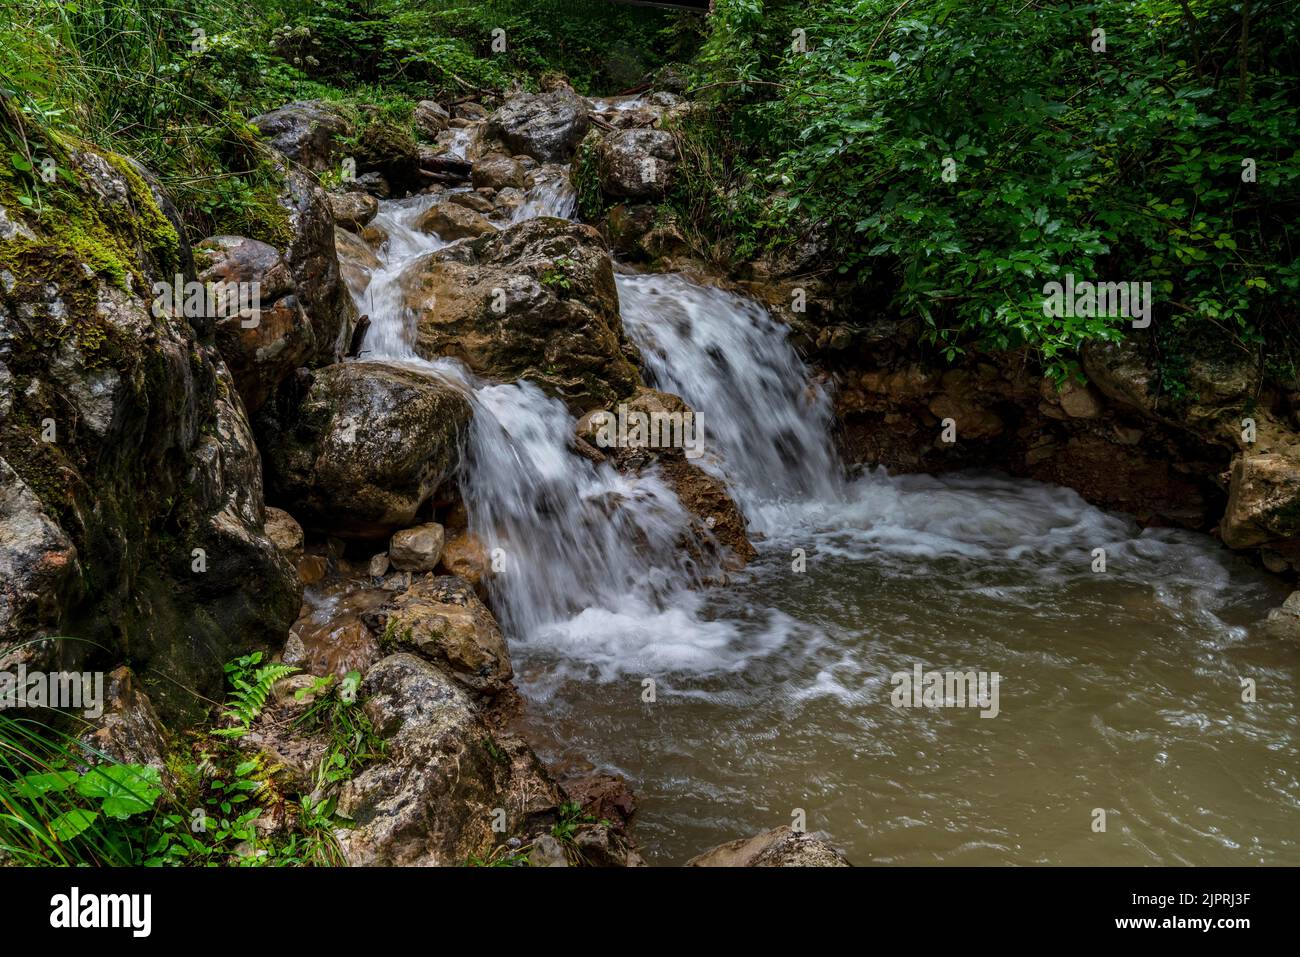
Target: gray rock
(429, 119)
(309, 132)
(358, 447)
(546, 126)
(637, 164)
(416, 549)
(261, 349)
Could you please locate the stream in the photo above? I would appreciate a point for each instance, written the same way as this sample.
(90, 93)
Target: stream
(773, 693)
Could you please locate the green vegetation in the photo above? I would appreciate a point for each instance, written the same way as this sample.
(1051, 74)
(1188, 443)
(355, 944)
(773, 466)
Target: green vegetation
(252, 682)
(63, 802)
(1117, 164)
(173, 85)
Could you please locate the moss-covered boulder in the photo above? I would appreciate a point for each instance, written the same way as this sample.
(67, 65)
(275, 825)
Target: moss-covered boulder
(130, 488)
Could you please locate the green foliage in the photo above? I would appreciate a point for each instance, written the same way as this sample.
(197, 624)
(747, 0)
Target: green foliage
(584, 173)
(500, 856)
(1116, 165)
(556, 276)
(56, 808)
(572, 817)
(353, 742)
(62, 803)
(252, 683)
(172, 85)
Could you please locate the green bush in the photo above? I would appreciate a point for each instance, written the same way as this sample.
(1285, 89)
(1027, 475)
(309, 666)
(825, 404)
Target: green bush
(1117, 165)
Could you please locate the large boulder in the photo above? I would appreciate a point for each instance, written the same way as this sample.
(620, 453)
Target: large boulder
(313, 261)
(262, 349)
(434, 797)
(130, 487)
(309, 132)
(355, 449)
(536, 301)
(546, 126)
(637, 163)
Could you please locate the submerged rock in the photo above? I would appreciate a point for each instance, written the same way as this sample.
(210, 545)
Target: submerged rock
(358, 447)
(717, 523)
(356, 260)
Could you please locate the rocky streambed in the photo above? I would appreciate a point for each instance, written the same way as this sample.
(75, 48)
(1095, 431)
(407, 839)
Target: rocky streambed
(396, 472)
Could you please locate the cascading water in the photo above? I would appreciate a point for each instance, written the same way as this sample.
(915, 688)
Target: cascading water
(773, 692)
(769, 424)
(592, 563)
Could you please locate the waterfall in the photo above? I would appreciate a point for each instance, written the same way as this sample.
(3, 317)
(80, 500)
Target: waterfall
(762, 415)
(591, 565)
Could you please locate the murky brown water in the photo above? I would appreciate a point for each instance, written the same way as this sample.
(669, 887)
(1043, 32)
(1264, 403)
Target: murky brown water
(1119, 691)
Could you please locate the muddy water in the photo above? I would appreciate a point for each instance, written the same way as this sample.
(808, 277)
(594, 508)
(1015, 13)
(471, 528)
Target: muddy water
(1118, 691)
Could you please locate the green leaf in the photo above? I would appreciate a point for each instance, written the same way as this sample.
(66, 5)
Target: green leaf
(38, 785)
(71, 823)
(122, 789)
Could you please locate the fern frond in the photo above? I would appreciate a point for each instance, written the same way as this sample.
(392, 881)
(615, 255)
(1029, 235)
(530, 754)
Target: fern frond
(247, 701)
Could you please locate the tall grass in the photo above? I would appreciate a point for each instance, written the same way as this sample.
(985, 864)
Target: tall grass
(30, 750)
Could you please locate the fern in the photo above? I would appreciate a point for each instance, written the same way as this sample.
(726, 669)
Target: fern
(252, 686)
